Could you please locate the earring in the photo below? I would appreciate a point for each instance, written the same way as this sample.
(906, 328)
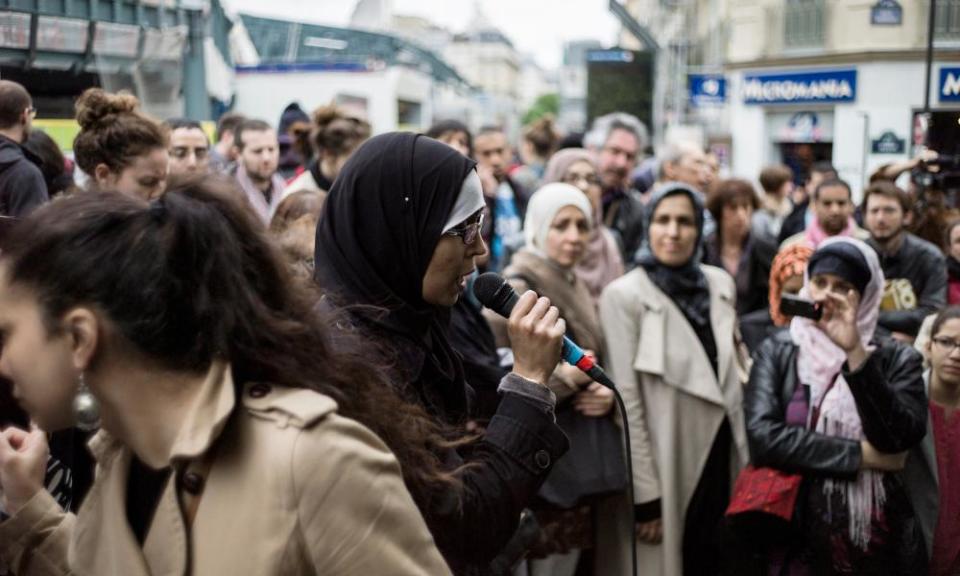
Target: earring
(86, 409)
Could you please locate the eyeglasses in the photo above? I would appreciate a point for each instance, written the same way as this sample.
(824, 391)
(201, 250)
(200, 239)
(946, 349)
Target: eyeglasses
(32, 112)
(468, 231)
(948, 344)
(576, 179)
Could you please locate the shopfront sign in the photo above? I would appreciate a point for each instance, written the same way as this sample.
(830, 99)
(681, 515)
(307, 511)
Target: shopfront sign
(707, 89)
(886, 13)
(814, 87)
(949, 84)
(889, 143)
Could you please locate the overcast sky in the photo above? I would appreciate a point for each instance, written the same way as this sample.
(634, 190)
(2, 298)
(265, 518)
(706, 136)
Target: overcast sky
(539, 27)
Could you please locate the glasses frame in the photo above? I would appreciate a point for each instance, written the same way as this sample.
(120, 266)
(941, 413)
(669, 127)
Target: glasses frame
(467, 231)
(953, 346)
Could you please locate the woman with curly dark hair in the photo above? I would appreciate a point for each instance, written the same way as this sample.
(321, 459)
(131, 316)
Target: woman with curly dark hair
(234, 440)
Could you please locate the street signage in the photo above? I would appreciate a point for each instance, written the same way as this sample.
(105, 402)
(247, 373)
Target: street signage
(886, 13)
(707, 89)
(949, 84)
(889, 143)
(813, 87)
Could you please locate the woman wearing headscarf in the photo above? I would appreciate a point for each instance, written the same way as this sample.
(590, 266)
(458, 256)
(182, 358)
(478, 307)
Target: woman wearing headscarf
(867, 404)
(669, 326)
(602, 262)
(398, 236)
(557, 227)
(786, 277)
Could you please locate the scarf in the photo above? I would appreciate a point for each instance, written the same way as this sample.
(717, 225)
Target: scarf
(602, 262)
(819, 361)
(686, 284)
(815, 234)
(381, 222)
(789, 262)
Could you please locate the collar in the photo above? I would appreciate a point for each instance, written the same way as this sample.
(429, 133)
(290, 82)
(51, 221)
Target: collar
(206, 419)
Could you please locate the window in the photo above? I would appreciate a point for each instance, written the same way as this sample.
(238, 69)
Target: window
(804, 23)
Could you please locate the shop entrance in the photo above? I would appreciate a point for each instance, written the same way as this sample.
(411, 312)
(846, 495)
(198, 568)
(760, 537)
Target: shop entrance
(801, 156)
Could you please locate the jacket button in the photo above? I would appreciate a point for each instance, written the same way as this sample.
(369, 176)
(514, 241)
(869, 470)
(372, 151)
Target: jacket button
(542, 458)
(259, 390)
(192, 483)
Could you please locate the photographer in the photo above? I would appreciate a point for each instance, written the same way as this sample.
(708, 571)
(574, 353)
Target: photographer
(868, 406)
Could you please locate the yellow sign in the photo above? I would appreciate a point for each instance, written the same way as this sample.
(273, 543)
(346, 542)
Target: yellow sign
(64, 132)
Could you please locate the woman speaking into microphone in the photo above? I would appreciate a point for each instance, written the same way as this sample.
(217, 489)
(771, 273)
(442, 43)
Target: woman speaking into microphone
(398, 236)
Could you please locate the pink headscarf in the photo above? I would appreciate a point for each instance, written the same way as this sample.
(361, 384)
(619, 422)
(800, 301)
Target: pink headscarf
(819, 360)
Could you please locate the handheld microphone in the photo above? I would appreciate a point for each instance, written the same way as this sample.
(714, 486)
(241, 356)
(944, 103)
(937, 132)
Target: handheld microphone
(493, 292)
(496, 294)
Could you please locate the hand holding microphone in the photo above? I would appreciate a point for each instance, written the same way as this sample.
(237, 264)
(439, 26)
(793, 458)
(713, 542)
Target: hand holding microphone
(493, 292)
(536, 332)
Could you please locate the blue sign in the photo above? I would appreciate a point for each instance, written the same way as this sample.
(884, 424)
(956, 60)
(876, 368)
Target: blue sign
(889, 143)
(622, 56)
(824, 86)
(949, 85)
(707, 89)
(886, 13)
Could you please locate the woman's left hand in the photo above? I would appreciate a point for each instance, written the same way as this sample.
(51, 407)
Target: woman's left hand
(839, 321)
(595, 401)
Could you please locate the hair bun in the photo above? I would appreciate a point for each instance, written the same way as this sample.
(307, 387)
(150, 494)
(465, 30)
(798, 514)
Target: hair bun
(96, 105)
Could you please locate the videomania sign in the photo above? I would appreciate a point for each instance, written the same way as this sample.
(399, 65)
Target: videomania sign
(813, 87)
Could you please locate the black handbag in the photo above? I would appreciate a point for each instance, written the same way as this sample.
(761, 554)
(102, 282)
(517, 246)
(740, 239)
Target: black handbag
(593, 466)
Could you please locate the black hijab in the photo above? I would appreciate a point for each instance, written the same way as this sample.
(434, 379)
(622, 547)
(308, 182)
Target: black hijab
(685, 284)
(380, 225)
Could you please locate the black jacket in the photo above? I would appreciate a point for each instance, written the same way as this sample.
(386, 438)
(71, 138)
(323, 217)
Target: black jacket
(795, 222)
(924, 266)
(499, 474)
(624, 217)
(753, 290)
(22, 187)
(890, 397)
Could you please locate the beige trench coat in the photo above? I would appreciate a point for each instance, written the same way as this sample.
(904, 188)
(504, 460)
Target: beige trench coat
(291, 489)
(675, 405)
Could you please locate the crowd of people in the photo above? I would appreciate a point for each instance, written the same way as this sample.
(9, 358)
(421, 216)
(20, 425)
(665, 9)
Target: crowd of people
(268, 347)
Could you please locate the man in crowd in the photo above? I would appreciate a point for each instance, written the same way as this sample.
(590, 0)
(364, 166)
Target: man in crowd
(616, 141)
(223, 155)
(189, 147)
(915, 270)
(22, 187)
(775, 205)
(258, 154)
(506, 200)
(802, 214)
(832, 216)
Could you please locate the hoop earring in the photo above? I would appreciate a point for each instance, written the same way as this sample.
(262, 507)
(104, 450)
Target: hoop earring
(86, 409)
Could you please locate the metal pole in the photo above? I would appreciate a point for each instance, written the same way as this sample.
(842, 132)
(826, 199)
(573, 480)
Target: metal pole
(930, 32)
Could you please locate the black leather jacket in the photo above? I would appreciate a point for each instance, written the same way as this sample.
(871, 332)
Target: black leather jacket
(888, 390)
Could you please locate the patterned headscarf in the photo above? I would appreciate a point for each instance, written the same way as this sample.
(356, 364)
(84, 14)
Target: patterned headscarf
(790, 262)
